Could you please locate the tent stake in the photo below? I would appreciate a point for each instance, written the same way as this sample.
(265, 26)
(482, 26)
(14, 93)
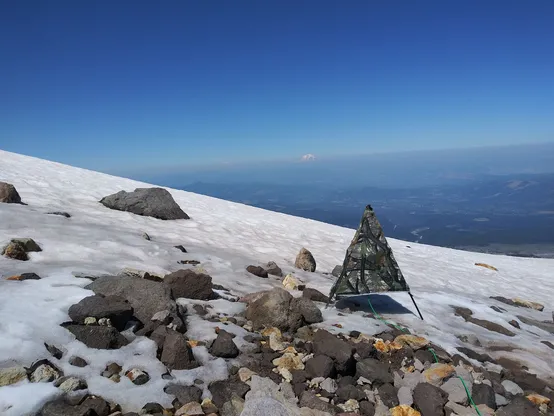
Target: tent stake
(415, 304)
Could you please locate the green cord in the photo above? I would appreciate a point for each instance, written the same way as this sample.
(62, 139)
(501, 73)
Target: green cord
(430, 349)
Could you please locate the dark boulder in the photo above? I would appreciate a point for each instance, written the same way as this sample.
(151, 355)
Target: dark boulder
(100, 337)
(340, 351)
(150, 202)
(273, 269)
(349, 391)
(273, 309)
(307, 309)
(176, 353)
(60, 213)
(257, 271)
(310, 400)
(184, 394)
(224, 346)
(145, 296)
(315, 295)
(115, 308)
(189, 284)
(374, 370)
(223, 391)
(519, 406)
(484, 394)
(320, 366)
(429, 400)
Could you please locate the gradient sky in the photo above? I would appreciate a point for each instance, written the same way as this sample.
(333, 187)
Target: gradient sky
(113, 85)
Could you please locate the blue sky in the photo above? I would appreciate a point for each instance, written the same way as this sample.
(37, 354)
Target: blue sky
(142, 85)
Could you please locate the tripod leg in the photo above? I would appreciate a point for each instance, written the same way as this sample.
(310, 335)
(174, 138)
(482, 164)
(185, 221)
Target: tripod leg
(415, 304)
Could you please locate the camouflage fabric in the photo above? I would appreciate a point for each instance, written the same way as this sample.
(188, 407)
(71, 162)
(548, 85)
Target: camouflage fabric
(369, 265)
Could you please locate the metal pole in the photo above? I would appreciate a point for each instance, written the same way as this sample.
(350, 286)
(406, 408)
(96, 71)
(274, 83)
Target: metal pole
(415, 304)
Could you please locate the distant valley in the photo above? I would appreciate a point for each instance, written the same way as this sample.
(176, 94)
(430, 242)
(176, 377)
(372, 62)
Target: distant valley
(508, 214)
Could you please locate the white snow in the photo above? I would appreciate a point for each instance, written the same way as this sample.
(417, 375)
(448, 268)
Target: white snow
(225, 237)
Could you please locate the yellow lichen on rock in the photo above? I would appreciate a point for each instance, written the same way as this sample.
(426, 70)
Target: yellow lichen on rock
(438, 372)
(412, 341)
(528, 304)
(404, 410)
(290, 282)
(538, 399)
(386, 346)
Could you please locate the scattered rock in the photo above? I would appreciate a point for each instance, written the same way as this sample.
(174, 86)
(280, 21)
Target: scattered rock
(140, 274)
(376, 371)
(28, 244)
(190, 409)
(100, 337)
(272, 309)
(519, 406)
(412, 341)
(512, 388)
(152, 408)
(337, 270)
(470, 339)
(488, 266)
(484, 394)
(388, 395)
(310, 400)
(191, 262)
(78, 362)
(55, 351)
(315, 295)
(189, 284)
(184, 394)
(233, 407)
(320, 366)
(548, 344)
(245, 374)
(538, 399)
(404, 410)
(491, 326)
(151, 202)
(90, 406)
(257, 271)
(309, 311)
(273, 269)
(528, 304)
(429, 399)
(180, 248)
(224, 346)
(456, 391)
(115, 308)
(292, 283)
(60, 213)
(545, 326)
(137, 376)
(176, 353)
(497, 309)
(8, 194)
(25, 276)
(146, 236)
(223, 391)
(12, 375)
(69, 384)
(329, 385)
(43, 371)
(437, 373)
(305, 261)
(145, 296)
(514, 323)
(340, 351)
(15, 251)
(405, 396)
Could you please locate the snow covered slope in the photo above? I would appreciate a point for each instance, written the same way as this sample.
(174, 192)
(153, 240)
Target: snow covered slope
(225, 237)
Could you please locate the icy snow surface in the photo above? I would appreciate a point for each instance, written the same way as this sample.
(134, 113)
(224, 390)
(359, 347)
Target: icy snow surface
(225, 237)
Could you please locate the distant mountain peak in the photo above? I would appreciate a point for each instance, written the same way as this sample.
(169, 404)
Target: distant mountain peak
(308, 157)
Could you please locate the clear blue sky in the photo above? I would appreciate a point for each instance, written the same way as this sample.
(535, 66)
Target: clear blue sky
(140, 84)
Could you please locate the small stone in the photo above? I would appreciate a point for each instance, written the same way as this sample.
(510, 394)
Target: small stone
(44, 373)
(55, 351)
(24, 276)
(208, 406)
(245, 374)
(181, 248)
(152, 408)
(164, 317)
(528, 304)
(404, 410)
(405, 396)
(290, 282)
(273, 269)
(137, 376)
(501, 400)
(305, 261)
(456, 391)
(257, 271)
(514, 323)
(290, 361)
(512, 388)
(111, 369)
(538, 399)
(350, 405)
(60, 213)
(90, 321)
(224, 346)
(73, 384)
(12, 375)
(329, 385)
(104, 322)
(15, 251)
(412, 341)
(190, 409)
(437, 373)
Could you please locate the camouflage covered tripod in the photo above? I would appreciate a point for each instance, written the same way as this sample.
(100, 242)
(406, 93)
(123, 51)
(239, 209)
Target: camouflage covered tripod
(369, 265)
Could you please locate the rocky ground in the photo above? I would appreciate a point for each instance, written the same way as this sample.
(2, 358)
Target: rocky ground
(264, 353)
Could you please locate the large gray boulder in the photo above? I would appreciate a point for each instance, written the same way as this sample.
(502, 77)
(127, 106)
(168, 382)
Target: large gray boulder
(145, 296)
(8, 194)
(99, 337)
(273, 309)
(115, 308)
(150, 202)
(189, 284)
